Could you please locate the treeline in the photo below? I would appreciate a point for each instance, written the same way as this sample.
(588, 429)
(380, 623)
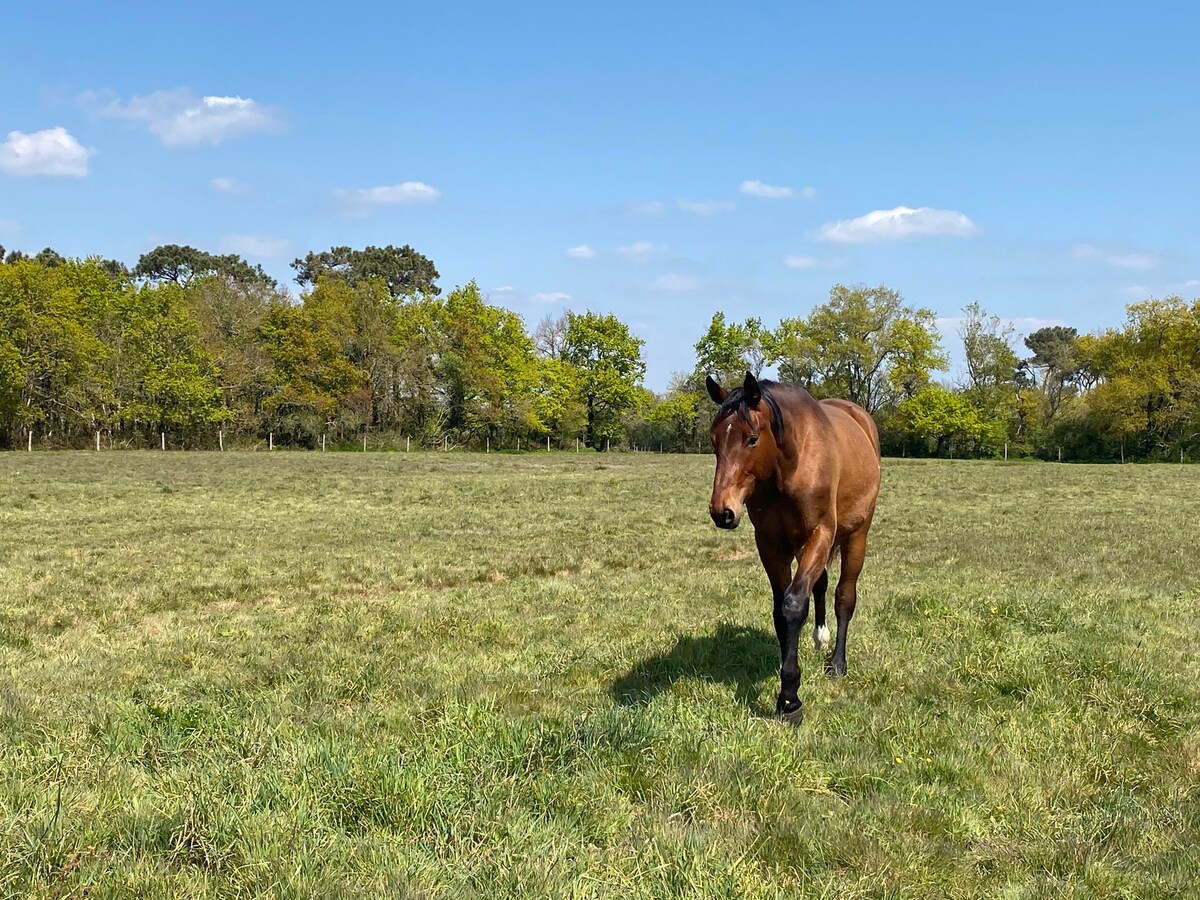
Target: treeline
(196, 345)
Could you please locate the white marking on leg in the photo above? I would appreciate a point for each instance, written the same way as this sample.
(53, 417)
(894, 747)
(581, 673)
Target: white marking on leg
(821, 637)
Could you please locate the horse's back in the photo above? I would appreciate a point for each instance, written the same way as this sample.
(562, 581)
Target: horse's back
(861, 417)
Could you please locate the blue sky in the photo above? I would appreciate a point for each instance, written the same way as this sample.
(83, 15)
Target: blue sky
(1040, 159)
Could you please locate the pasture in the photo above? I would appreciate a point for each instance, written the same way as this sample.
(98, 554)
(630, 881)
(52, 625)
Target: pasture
(454, 675)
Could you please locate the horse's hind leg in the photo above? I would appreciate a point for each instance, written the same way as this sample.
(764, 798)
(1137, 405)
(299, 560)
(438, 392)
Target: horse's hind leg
(845, 596)
(820, 629)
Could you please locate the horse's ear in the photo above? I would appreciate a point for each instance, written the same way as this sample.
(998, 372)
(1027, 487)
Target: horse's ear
(751, 392)
(715, 391)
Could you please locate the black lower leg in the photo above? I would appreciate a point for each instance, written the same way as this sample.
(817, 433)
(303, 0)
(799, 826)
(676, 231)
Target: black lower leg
(844, 610)
(819, 601)
(794, 612)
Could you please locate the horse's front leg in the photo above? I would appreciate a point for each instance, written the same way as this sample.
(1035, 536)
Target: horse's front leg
(777, 556)
(793, 610)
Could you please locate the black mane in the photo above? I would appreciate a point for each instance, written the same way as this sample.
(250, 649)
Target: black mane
(735, 403)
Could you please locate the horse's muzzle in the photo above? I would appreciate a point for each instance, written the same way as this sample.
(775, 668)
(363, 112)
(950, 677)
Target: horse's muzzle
(724, 518)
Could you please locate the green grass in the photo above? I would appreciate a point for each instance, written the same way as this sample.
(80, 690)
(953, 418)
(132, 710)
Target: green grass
(427, 675)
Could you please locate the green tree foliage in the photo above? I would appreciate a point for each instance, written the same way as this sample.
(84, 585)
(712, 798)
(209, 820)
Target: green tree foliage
(190, 342)
(182, 264)
(1054, 366)
(994, 374)
(941, 421)
(1146, 376)
(165, 379)
(864, 345)
(404, 271)
(728, 351)
(310, 378)
(608, 359)
(487, 366)
(53, 358)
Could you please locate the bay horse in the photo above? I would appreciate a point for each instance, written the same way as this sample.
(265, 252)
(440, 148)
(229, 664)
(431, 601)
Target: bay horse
(808, 473)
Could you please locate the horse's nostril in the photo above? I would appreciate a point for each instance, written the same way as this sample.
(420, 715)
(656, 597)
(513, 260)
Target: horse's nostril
(728, 516)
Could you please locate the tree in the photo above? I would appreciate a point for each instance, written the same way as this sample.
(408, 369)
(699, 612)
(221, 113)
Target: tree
(550, 336)
(487, 365)
(1054, 364)
(228, 316)
(116, 269)
(676, 416)
(1146, 376)
(728, 351)
(994, 372)
(863, 345)
(404, 271)
(182, 264)
(310, 378)
(609, 360)
(942, 420)
(49, 258)
(52, 356)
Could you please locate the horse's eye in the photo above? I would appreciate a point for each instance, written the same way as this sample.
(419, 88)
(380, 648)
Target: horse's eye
(752, 441)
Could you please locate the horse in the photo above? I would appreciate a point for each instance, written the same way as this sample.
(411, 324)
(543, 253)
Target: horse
(808, 474)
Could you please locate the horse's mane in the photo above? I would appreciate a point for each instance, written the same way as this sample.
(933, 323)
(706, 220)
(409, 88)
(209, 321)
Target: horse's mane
(735, 403)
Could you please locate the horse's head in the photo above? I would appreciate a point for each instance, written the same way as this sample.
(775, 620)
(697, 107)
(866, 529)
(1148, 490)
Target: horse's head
(745, 435)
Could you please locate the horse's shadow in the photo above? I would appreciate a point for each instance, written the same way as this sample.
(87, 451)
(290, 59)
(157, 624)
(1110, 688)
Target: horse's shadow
(735, 655)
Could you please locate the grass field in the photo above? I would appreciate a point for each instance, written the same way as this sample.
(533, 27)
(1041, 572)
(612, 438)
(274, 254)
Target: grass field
(426, 675)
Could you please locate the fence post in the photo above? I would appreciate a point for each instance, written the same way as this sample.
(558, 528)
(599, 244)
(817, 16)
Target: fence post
(1006, 451)
(270, 440)
(163, 436)
(489, 444)
(407, 441)
(30, 440)
(322, 443)
(547, 443)
(221, 439)
(445, 443)
(364, 442)
(98, 447)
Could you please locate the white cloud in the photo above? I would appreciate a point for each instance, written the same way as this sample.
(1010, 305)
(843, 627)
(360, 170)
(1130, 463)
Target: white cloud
(255, 245)
(581, 251)
(705, 207)
(1134, 260)
(181, 119)
(550, 297)
(228, 186)
(1120, 260)
(360, 201)
(759, 189)
(639, 251)
(801, 262)
(52, 151)
(808, 193)
(648, 208)
(896, 224)
(673, 282)
(506, 289)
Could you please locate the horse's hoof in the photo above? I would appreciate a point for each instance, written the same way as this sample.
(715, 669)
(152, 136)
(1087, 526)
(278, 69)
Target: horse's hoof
(793, 716)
